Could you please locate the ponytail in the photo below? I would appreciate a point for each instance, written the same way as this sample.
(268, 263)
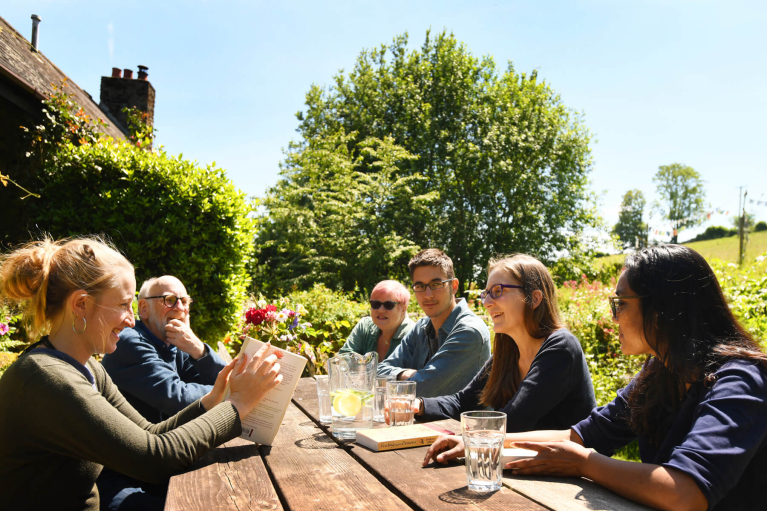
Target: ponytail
(40, 276)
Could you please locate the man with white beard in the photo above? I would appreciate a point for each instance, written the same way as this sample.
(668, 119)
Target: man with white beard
(160, 365)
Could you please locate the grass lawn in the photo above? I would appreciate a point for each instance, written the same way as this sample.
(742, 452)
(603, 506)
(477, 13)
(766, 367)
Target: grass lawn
(725, 249)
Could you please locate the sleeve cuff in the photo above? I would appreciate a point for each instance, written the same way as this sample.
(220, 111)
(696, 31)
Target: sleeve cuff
(205, 352)
(430, 407)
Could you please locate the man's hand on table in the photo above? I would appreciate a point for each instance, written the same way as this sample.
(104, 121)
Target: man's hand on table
(180, 335)
(406, 374)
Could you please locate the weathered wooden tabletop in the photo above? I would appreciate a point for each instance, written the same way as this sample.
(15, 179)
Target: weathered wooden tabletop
(307, 469)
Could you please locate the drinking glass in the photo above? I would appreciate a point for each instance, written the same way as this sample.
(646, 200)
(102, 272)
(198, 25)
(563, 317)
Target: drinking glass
(323, 397)
(380, 398)
(351, 392)
(400, 396)
(483, 436)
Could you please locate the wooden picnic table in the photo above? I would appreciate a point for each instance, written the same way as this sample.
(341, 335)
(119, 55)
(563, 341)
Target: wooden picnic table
(309, 469)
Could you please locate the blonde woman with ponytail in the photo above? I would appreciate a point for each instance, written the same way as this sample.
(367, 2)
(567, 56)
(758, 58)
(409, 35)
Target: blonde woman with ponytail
(62, 418)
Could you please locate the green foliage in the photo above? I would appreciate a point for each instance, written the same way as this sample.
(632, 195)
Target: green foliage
(327, 319)
(586, 311)
(630, 226)
(507, 159)
(714, 232)
(748, 221)
(141, 133)
(583, 262)
(167, 214)
(760, 226)
(727, 248)
(65, 122)
(746, 290)
(681, 189)
(12, 339)
(339, 219)
(333, 315)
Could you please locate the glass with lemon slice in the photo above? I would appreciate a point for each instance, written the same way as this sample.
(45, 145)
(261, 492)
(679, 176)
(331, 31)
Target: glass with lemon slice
(351, 393)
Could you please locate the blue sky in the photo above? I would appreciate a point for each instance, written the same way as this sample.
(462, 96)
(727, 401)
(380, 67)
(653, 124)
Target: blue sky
(658, 81)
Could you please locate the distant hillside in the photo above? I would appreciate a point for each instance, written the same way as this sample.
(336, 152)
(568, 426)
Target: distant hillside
(725, 249)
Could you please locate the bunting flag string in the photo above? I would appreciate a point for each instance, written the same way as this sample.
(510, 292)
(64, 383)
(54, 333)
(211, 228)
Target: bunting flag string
(669, 230)
(702, 217)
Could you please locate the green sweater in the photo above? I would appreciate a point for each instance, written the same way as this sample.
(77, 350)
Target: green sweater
(364, 336)
(57, 431)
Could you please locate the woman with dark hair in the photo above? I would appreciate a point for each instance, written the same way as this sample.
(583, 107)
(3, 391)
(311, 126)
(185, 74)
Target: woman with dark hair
(537, 375)
(698, 408)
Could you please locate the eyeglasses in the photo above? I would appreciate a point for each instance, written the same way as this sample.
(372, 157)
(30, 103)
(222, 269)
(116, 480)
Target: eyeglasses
(420, 287)
(170, 301)
(496, 291)
(615, 303)
(388, 304)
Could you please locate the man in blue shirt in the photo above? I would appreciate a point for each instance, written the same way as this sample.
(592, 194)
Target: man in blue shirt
(160, 365)
(448, 347)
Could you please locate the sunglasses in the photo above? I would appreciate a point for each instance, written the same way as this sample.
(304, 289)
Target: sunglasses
(616, 305)
(388, 304)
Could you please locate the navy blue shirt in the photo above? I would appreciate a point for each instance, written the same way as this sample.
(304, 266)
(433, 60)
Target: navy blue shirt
(159, 380)
(719, 436)
(556, 393)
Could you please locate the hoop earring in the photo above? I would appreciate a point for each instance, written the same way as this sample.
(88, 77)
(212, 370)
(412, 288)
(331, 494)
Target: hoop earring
(85, 324)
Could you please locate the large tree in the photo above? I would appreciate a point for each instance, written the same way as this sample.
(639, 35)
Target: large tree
(682, 196)
(631, 226)
(337, 218)
(508, 160)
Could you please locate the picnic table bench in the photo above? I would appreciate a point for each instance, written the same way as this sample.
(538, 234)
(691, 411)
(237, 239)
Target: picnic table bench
(308, 469)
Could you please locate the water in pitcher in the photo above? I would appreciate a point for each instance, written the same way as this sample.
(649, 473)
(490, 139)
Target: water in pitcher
(351, 393)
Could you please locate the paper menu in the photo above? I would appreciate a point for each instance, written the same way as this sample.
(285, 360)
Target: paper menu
(263, 422)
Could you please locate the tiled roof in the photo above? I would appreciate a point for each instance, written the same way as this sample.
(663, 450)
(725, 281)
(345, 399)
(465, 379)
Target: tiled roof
(34, 73)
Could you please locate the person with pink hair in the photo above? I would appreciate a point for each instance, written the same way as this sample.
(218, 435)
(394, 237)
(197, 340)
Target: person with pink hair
(387, 324)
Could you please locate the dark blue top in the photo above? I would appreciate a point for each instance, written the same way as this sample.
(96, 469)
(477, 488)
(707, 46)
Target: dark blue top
(556, 393)
(718, 438)
(159, 380)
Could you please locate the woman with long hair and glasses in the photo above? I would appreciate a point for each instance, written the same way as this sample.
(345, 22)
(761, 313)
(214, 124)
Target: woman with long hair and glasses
(537, 375)
(698, 407)
(62, 417)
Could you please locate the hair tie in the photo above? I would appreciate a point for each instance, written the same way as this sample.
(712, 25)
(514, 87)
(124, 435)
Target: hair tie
(709, 380)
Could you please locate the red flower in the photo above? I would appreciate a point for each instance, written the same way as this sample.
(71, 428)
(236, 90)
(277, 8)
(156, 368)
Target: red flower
(270, 308)
(255, 316)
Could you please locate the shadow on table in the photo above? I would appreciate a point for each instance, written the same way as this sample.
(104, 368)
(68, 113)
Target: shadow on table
(317, 441)
(240, 452)
(550, 491)
(464, 496)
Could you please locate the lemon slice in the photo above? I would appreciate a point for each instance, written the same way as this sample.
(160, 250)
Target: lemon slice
(347, 405)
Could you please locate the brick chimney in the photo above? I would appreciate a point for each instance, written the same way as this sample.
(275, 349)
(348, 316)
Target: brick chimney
(118, 93)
